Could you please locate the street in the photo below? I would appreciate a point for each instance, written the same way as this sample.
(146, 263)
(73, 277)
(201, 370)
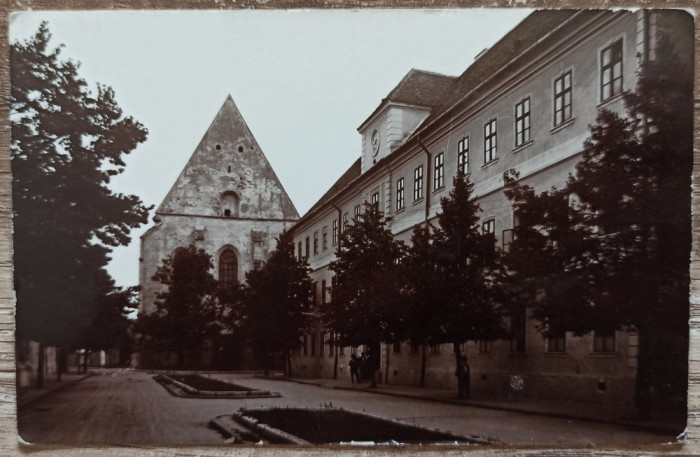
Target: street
(126, 407)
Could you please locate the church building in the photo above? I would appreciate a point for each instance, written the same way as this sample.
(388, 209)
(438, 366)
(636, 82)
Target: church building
(227, 201)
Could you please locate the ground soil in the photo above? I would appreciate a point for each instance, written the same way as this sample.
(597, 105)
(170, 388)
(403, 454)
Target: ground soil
(333, 426)
(201, 383)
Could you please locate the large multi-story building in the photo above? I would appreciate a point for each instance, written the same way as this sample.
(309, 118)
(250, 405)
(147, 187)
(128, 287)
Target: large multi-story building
(524, 104)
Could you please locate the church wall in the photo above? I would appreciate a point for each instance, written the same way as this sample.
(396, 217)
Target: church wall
(251, 240)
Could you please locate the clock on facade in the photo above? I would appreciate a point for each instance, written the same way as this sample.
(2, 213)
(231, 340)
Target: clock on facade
(374, 139)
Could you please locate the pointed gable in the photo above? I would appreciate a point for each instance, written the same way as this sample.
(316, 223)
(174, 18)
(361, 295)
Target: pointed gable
(229, 176)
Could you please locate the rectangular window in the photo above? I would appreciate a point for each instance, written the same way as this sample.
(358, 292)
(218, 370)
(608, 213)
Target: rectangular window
(439, 172)
(556, 342)
(522, 122)
(346, 219)
(335, 232)
(315, 243)
(485, 346)
(299, 251)
(490, 141)
(435, 349)
(604, 341)
(418, 183)
(323, 292)
(562, 98)
(357, 212)
(375, 200)
(324, 237)
(415, 348)
(399, 194)
(611, 70)
(397, 348)
(307, 246)
(463, 155)
(488, 226)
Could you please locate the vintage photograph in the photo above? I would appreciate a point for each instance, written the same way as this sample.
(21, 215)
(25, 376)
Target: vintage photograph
(358, 229)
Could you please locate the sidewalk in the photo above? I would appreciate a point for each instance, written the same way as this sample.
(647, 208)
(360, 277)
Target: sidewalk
(29, 395)
(553, 408)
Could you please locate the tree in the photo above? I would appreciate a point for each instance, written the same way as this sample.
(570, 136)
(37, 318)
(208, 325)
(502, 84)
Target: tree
(454, 276)
(67, 143)
(613, 245)
(365, 300)
(108, 326)
(277, 303)
(188, 313)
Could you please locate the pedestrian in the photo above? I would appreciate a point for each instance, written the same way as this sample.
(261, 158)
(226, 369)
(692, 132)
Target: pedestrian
(353, 369)
(463, 373)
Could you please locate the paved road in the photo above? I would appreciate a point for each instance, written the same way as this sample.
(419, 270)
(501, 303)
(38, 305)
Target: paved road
(129, 408)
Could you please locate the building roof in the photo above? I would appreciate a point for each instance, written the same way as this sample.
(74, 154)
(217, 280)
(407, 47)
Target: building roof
(418, 87)
(442, 93)
(349, 176)
(527, 33)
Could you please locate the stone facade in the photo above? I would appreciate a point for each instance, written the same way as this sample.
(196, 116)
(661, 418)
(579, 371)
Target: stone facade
(547, 47)
(227, 201)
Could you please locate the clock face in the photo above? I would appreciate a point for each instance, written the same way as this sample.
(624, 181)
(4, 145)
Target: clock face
(374, 139)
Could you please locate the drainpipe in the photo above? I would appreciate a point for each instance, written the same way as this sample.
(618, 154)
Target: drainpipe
(335, 343)
(388, 359)
(427, 175)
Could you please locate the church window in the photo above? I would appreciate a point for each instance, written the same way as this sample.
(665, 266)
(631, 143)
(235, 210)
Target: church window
(229, 204)
(228, 268)
(229, 168)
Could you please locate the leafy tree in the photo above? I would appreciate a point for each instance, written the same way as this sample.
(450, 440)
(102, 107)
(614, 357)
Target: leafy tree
(187, 314)
(67, 143)
(611, 249)
(109, 324)
(365, 300)
(454, 276)
(277, 303)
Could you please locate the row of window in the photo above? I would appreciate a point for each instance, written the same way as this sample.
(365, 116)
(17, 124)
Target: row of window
(610, 85)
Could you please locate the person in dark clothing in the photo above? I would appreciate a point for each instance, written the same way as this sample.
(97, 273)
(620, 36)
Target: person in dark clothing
(353, 369)
(463, 373)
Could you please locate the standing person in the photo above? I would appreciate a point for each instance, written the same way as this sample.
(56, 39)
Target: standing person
(353, 369)
(462, 373)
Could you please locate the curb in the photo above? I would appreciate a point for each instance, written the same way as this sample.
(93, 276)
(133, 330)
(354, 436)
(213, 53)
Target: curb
(656, 428)
(50, 392)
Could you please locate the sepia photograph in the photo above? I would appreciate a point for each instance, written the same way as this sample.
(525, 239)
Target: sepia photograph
(352, 229)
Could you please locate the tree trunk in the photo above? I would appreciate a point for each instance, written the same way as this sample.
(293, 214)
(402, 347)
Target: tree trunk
(59, 363)
(335, 361)
(86, 357)
(288, 364)
(642, 394)
(422, 365)
(40, 368)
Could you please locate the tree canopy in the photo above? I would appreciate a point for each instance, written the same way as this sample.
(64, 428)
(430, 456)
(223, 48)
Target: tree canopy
(365, 298)
(67, 143)
(611, 249)
(187, 314)
(277, 304)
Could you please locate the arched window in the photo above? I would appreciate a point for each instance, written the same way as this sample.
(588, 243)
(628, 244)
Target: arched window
(228, 268)
(229, 204)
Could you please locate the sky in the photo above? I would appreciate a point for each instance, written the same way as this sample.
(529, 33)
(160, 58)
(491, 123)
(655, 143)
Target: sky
(304, 81)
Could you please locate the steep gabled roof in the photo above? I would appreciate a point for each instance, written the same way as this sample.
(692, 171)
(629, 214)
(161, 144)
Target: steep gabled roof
(350, 175)
(228, 159)
(418, 87)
